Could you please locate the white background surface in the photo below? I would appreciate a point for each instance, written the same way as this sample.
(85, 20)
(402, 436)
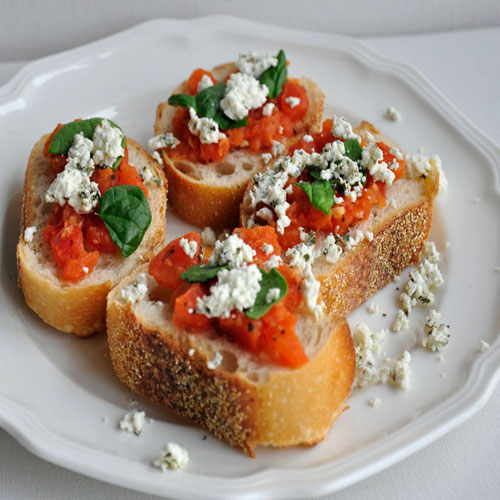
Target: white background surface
(464, 65)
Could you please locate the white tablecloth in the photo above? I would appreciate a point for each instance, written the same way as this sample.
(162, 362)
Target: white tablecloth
(465, 66)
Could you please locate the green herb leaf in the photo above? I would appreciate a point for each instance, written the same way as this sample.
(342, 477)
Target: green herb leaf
(201, 273)
(275, 76)
(314, 171)
(207, 105)
(320, 194)
(63, 139)
(353, 149)
(272, 279)
(125, 212)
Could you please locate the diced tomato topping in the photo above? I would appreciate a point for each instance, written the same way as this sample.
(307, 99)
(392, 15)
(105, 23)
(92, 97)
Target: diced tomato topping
(130, 176)
(292, 90)
(257, 237)
(245, 331)
(172, 261)
(97, 235)
(185, 315)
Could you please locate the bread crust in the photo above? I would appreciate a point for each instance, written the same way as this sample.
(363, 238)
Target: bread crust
(399, 235)
(283, 408)
(78, 308)
(214, 201)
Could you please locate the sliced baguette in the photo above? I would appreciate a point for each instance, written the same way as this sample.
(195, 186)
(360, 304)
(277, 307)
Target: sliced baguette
(210, 195)
(78, 308)
(243, 400)
(399, 233)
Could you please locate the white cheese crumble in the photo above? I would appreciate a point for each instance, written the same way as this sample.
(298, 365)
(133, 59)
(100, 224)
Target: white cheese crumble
(391, 113)
(254, 65)
(172, 457)
(277, 148)
(373, 308)
(243, 93)
(397, 372)
(107, 142)
(29, 232)
(206, 128)
(190, 247)
(235, 289)
(204, 83)
(367, 339)
(267, 157)
(157, 158)
(274, 261)
(268, 109)
(208, 237)
(372, 159)
(133, 421)
(148, 176)
(137, 290)
(163, 141)
(330, 250)
(233, 251)
(212, 364)
(272, 295)
(374, 402)
(483, 346)
(307, 138)
(436, 336)
(191, 352)
(292, 101)
(393, 203)
(352, 240)
(85, 269)
(443, 181)
(342, 129)
(401, 322)
(265, 214)
(397, 153)
(267, 248)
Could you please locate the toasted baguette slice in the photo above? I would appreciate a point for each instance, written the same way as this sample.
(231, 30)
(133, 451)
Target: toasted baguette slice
(78, 308)
(210, 195)
(243, 400)
(399, 229)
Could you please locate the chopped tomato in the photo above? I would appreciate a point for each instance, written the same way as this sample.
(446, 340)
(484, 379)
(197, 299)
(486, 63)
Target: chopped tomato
(130, 176)
(172, 261)
(185, 315)
(287, 100)
(97, 235)
(256, 238)
(245, 331)
(196, 77)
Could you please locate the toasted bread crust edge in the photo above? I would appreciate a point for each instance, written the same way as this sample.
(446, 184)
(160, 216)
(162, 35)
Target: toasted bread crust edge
(72, 308)
(203, 204)
(293, 407)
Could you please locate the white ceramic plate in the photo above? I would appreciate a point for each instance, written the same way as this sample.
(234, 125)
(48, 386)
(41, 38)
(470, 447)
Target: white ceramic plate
(55, 389)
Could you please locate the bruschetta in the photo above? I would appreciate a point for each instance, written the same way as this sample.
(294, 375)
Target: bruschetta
(347, 206)
(93, 208)
(234, 339)
(220, 127)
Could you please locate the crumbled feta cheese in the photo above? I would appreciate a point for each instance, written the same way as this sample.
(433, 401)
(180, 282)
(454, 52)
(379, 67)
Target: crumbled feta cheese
(157, 158)
(235, 289)
(268, 109)
(373, 308)
(265, 214)
(85, 269)
(443, 181)
(107, 142)
(483, 346)
(80, 152)
(133, 421)
(300, 256)
(274, 261)
(353, 240)
(277, 148)
(391, 113)
(191, 352)
(233, 251)
(342, 129)
(163, 141)
(267, 157)
(368, 339)
(310, 291)
(401, 322)
(149, 176)
(397, 372)
(366, 369)
(368, 236)
(372, 159)
(397, 153)
(369, 137)
(436, 336)
(374, 402)
(204, 83)
(206, 128)
(208, 237)
(254, 65)
(417, 165)
(212, 364)
(137, 290)
(272, 295)
(172, 457)
(308, 138)
(267, 248)
(29, 233)
(190, 247)
(243, 93)
(292, 101)
(393, 203)
(330, 250)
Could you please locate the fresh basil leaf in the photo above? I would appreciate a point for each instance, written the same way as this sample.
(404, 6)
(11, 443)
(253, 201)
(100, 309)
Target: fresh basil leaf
(200, 273)
(185, 100)
(272, 279)
(314, 172)
(63, 139)
(275, 76)
(207, 105)
(353, 149)
(320, 194)
(126, 214)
